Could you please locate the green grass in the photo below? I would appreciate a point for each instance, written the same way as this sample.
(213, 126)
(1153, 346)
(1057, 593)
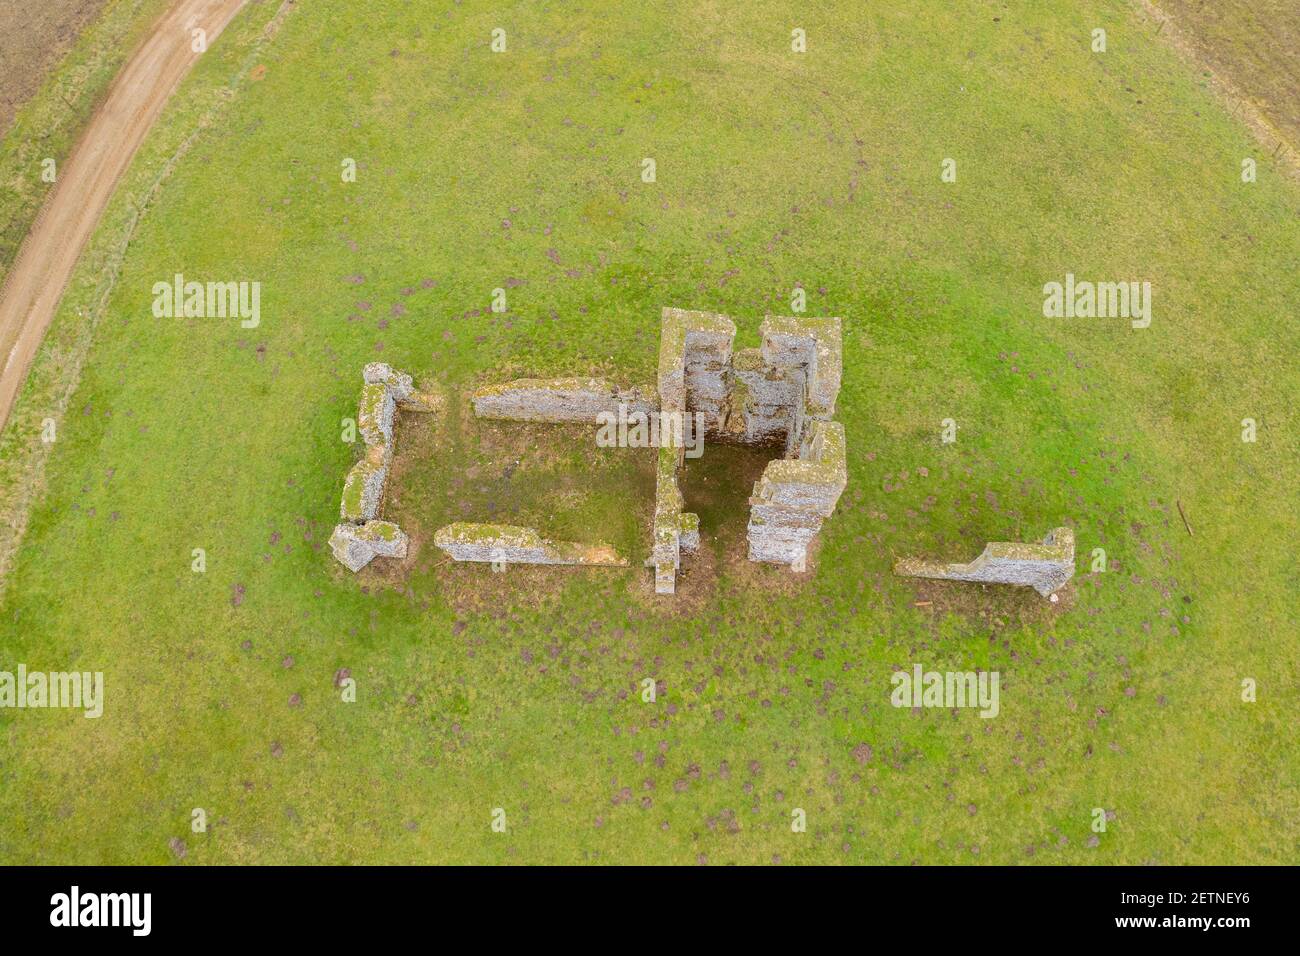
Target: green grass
(523, 691)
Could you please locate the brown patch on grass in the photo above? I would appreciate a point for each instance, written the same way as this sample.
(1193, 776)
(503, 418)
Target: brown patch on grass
(1249, 52)
(474, 588)
(33, 41)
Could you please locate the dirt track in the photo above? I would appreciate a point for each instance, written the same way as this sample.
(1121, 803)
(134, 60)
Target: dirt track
(86, 180)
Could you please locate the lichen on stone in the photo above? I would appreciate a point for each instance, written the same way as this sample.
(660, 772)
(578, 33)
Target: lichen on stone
(513, 544)
(362, 536)
(1045, 567)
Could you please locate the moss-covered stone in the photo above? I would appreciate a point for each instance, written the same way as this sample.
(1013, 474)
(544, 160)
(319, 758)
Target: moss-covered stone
(667, 529)
(815, 480)
(700, 341)
(399, 384)
(362, 536)
(1045, 567)
(363, 490)
(512, 544)
(375, 414)
(814, 344)
(558, 400)
(356, 545)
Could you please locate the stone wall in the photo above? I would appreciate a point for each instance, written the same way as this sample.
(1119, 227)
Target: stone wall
(361, 536)
(695, 364)
(791, 379)
(557, 400)
(814, 345)
(768, 401)
(795, 495)
(1044, 567)
(510, 544)
(694, 376)
(355, 545)
(674, 531)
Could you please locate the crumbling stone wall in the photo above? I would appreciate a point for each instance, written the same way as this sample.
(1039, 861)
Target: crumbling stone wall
(792, 378)
(674, 531)
(795, 495)
(1044, 567)
(557, 400)
(361, 536)
(695, 376)
(788, 387)
(768, 400)
(511, 544)
(355, 545)
(785, 388)
(695, 364)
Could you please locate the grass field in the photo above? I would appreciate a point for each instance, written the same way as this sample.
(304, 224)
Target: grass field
(522, 170)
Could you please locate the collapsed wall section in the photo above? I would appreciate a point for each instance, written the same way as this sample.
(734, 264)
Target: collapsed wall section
(792, 378)
(1044, 567)
(512, 544)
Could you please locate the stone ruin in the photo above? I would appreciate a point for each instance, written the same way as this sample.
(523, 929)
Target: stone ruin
(1044, 567)
(781, 393)
(784, 390)
(362, 535)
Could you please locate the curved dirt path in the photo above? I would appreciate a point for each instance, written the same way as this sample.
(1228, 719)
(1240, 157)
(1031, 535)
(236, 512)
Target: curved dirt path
(86, 179)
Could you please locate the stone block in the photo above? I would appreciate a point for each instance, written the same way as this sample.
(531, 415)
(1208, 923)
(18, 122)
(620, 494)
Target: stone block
(665, 555)
(814, 344)
(688, 537)
(777, 550)
(764, 423)
(689, 338)
(363, 489)
(814, 480)
(767, 384)
(375, 413)
(399, 383)
(356, 545)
